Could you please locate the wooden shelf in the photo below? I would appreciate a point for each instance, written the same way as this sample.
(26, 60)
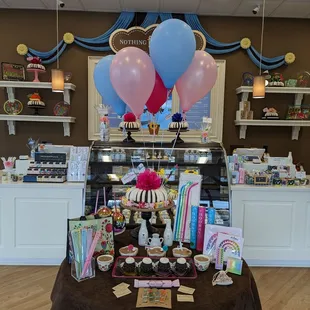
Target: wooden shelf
(12, 85)
(295, 124)
(12, 119)
(298, 91)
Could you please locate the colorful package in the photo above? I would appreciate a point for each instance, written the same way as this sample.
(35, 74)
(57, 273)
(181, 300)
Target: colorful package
(105, 243)
(232, 245)
(211, 232)
(219, 259)
(194, 222)
(234, 265)
(188, 195)
(200, 228)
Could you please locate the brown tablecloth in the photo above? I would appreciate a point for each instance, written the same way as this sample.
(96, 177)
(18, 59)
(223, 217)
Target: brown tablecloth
(96, 293)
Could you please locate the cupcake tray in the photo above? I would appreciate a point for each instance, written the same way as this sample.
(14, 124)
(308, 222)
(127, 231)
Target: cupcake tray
(117, 270)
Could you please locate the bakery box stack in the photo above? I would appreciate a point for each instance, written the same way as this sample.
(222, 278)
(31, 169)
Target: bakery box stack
(244, 111)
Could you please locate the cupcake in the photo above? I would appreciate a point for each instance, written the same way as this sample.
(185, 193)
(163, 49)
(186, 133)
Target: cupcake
(153, 128)
(181, 266)
(146, 267)
(178, 122)
(129, 266)
(164, 265)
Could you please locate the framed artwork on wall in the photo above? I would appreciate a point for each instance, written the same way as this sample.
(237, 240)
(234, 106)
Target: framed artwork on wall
(12, 72)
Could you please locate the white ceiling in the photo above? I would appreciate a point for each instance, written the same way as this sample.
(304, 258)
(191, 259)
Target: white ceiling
(274, 8)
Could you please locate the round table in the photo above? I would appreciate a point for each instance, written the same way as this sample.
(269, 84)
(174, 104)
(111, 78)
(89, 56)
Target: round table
(96, 293)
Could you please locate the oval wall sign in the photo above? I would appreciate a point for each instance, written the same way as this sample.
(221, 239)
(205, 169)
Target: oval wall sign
(140, 37)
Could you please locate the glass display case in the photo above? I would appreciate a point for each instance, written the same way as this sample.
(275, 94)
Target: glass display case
(110, 161)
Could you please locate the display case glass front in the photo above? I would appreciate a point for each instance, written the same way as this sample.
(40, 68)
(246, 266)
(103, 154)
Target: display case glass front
(109, 162)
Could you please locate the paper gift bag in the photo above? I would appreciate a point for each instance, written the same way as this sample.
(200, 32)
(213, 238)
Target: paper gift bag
(105, 243)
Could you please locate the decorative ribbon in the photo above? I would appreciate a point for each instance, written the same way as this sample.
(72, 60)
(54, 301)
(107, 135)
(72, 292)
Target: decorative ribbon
(101, 43)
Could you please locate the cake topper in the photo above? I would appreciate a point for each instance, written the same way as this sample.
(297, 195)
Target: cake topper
(129, 117)
(177, 117)
(148, 180)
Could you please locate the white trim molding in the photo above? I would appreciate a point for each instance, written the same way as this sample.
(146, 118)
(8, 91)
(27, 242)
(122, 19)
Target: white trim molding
(216, 110)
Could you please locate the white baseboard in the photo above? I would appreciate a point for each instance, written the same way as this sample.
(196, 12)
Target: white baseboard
(277, 263)
(31, 261)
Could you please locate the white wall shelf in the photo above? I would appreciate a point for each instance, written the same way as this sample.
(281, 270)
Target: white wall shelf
(295, 124)
(12, 119)
(298, 91)
(12, 85)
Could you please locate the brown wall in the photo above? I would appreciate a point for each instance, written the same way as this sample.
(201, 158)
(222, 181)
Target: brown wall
(37, 30)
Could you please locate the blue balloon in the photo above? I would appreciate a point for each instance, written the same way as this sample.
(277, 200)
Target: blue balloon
(172, 48)
(105, 88)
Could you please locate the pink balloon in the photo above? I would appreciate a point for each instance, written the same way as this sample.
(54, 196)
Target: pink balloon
(197, 81)
(132, 75)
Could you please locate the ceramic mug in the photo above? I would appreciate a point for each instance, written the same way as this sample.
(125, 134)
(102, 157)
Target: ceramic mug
(105, 262)
(202, 262)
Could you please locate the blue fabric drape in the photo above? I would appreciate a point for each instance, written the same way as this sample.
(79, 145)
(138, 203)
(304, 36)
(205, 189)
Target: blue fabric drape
(150, 19)
(100, 43)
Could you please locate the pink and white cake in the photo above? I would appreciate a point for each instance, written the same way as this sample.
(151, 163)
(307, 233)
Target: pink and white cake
(149, 193)
(35, 63)
(130, 122)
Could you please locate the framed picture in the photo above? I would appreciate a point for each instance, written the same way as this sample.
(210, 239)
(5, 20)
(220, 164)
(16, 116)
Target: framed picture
(12, 72)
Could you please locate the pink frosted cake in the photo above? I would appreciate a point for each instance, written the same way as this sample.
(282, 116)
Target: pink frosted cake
(149, 193)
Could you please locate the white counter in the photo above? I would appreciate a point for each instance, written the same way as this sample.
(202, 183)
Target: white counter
(33, 221)
(275, 223)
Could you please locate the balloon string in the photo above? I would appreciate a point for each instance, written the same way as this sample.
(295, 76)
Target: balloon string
(147, 163)
(175, 140)
(163, 132)
(153, 153)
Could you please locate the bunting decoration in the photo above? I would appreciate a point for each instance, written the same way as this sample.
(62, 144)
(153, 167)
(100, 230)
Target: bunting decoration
(125, 20)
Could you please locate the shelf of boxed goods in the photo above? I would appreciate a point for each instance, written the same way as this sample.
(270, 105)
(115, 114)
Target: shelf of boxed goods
(295, 124)
(12, 85)
(299, 92)
(12, 119)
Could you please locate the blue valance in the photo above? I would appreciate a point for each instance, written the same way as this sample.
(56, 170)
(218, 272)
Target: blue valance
(125, 19)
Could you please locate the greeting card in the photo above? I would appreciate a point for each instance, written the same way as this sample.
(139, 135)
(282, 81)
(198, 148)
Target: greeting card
(211, 233)
(231, 245)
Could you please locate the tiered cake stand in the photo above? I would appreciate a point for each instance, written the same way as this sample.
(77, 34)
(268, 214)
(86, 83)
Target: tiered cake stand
(129, 138)
(36, 73)
(146, 214)
(36, 109)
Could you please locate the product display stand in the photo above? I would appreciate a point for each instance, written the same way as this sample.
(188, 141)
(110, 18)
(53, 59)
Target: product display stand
(36, 74)
(129, 138)
(177, 139)
(36, 109)
(146, 214)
